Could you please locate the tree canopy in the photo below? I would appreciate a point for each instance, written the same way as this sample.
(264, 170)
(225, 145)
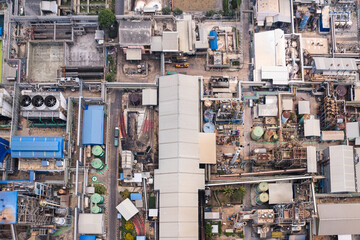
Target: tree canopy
(106, 18)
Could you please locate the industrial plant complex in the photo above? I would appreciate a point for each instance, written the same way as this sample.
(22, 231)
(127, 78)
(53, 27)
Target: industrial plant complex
(180, 120)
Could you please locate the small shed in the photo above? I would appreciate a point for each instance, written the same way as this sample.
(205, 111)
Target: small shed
(93, 125)
(170, 42)
(304, 107)
(127, 209)
(135, 196)
(133, 54)
(140, 238)
(280, 193)
(287, 104)
(311, 159)
(312, 128)
(352, 130)
(213, 40)
(153, 212)
(332, 135)
(88, 237)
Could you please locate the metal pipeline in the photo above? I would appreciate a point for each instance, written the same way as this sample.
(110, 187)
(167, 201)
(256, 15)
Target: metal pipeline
(265, 173)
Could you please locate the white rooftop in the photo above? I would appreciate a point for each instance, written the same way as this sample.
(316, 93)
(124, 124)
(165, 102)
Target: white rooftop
(127, 209)
(312, 128)
(280, 193)
(91, 223)
(304, 107)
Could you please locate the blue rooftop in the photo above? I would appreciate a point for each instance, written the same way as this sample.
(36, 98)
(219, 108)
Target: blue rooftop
(140, 238)
(88, 237)
(93, 125)
(4, 149)
(135, 196)
(37, 147)
(9, 205)
(213, 42)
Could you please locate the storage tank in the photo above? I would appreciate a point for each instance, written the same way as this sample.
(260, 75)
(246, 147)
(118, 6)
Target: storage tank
(98, 151)
(96, 209)
(262, 187)
(341, 91)
(285, 116)
(268, 134)
(208, 115)
(262, 198)
(135, 99)
(209, 127)
(97, 198)
(257, 133)
(97, 164)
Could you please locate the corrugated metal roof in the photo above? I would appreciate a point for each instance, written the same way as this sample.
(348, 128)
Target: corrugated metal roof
(312, 127)
(156, 43)
(93, 125)
(311, 159)
(207, 146)
(342, 176)
(133, 54)
(149, 97)
(278, 74)
(338, 219)
(178, 178)
(332, 135)
(37, 147)
(280, 193)
(91, 223)
(352, 130)
(335, 64)
(127, 209)
(170, 42)
(304, 107)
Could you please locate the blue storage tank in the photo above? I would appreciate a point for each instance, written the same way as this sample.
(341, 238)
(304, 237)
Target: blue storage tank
(213, 40)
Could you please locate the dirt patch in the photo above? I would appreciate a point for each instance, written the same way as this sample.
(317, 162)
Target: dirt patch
(195, 5)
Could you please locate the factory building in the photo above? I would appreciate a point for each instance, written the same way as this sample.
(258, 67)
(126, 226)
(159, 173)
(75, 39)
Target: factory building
(179, 178)
(269, 12)
(335, 67)
(339, 169)
(39, 153)
(93, 125)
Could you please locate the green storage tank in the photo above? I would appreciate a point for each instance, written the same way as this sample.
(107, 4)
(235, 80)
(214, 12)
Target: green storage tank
(97, 198)
(262, 198)
(262, 187)
(96, 209)
(97, 164)
(257, 133)
(98, 151)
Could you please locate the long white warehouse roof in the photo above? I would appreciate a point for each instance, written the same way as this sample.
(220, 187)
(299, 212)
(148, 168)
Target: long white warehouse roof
(179, 177)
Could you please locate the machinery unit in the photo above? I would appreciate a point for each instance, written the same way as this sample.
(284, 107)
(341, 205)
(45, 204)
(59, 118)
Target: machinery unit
(43, 107)
(5, 104)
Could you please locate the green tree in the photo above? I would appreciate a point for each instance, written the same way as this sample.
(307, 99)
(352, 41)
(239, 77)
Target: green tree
(129, 225)
(210, 13)
(106, 18)
(238, 195)
(177, 11)
(129, 236)
(229, 191)
(226, 7)
(110, 77)
(100, 189)
(235, 4)
(208, 231)
(166, 11)
(125, 194)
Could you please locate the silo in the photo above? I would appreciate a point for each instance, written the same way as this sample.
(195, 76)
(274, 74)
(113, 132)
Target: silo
(97, 164)
(262, 187)
(257, 133)
(268, 134)
(285, 116)
(97, 198)
(209, 127)
(96, 209)
(208, 115)
(262, 198)
(98, 151)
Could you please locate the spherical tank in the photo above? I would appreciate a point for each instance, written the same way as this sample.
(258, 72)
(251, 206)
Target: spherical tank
(98, 151)
(97, 198)
(97, 164)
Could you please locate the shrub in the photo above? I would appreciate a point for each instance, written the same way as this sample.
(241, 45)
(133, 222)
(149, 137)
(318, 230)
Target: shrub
(100, 189)
(166, 11)
(177, 11)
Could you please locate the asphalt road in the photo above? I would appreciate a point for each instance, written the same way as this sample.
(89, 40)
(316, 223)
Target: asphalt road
(119, 7)
(113, 165)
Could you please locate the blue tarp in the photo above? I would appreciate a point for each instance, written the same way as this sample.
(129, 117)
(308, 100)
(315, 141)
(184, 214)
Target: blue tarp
(88, 237)
(37, 147)
(9, 205)
(213, 42)
(93, 125)
(135, 196)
